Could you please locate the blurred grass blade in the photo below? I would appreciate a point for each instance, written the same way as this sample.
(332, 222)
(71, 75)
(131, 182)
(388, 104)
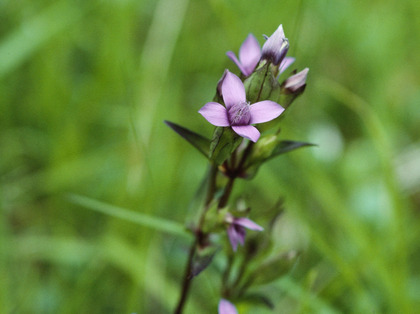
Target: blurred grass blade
(198, 141)
(137, 218)
(34, 33)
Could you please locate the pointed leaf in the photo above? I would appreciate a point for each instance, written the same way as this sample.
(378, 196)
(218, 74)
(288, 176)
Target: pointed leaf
(274, 268)
(258, 299)
(287, 146)
(198, 141)
(202, 260)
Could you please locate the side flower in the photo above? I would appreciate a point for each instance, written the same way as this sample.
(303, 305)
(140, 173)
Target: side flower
(225, 307)
(236, 230)
(250, 54)
(238, 113)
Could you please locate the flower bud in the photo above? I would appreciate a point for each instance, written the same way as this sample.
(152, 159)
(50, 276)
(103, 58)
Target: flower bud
(276, 47)
(292, 88)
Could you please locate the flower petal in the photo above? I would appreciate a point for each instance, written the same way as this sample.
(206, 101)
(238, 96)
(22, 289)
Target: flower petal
(233, 236)
(225, 307)
(232, 56)
(264, 111)
(285, 64)
(233, 90)
(215, 113)
(248, 223)
(249, 54)
(248, 131)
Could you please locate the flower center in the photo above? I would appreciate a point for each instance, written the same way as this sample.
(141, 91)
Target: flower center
(239, 114)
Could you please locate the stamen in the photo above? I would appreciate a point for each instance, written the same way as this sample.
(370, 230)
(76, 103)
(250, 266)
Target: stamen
(239, 114)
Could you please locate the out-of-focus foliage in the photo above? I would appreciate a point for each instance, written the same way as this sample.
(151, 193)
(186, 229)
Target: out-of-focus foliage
(84, 89)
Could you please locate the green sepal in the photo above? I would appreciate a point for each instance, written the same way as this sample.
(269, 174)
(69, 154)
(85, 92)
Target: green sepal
(274, 268)
(262, 85)
(224, 142)
(199, 142)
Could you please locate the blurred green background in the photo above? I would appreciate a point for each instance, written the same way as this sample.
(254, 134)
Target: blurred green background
(84, 89)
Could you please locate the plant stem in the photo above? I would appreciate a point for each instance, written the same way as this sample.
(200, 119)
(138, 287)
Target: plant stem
(187, 278)
(226, 194)
(186, 283)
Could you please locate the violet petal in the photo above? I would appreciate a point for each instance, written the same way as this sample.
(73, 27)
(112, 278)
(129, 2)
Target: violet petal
(248, 131)
(264, 111)
(296, 81)
(287, 61)
(233, 57)
(225, 307)
(248, 223)
(215, 113)
(249, 54)
(233, 90)
(241, 233)
(233, 237)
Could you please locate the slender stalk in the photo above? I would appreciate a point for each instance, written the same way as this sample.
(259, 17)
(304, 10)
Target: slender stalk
(186, 282)
(226, 193)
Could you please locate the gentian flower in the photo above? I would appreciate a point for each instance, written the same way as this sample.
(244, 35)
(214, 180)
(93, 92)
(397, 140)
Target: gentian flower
(249, 55)
(236, 230)
(238, 113)
(225, 307)
(276, 47)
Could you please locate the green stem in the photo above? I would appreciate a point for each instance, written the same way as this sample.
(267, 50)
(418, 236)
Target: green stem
(186, 283)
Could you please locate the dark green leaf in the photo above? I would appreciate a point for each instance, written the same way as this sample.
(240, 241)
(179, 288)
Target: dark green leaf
(287, 146)
(258, 299)
(274, 268)
(202, 260)
(198, 141)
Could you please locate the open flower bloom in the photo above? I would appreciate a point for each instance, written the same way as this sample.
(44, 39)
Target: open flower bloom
(236, 230)
(276, 47)
(238, 113)
(249, 55)
(225, 307)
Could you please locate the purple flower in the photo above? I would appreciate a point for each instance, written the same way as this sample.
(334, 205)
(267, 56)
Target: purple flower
(249, 55)
(236, 230)
(297, 81)
(225, 307)
(276, 47)
(238, 113)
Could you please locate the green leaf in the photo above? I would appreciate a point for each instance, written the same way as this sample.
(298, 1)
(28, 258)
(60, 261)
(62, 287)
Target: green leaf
(134, 217)
(287, 146)
(258, 299)
(202, 259)
(274, 268)
(198, 141)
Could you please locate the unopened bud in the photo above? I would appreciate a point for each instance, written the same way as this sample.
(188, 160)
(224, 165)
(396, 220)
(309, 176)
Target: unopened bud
(276, 47)
(292, 88)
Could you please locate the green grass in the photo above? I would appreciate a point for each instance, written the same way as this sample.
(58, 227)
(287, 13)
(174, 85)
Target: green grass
(84, 89)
